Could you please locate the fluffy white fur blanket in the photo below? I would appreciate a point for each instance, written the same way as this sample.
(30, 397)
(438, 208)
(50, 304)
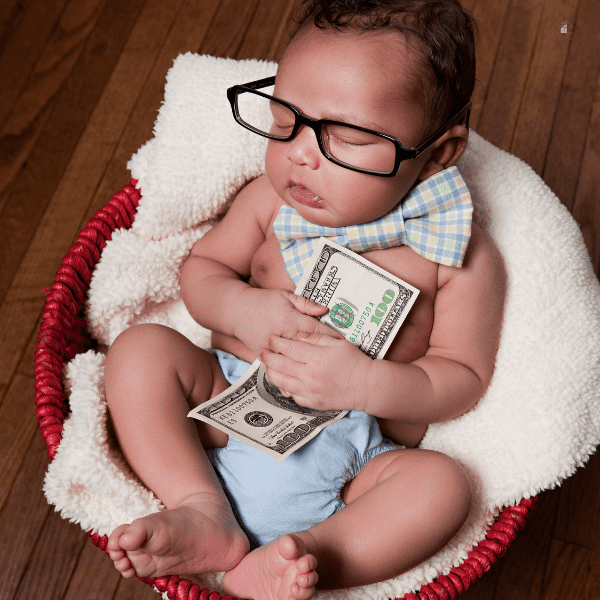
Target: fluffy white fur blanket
(540, 418)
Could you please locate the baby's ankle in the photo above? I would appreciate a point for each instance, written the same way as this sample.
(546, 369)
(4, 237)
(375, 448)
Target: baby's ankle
(228, 539)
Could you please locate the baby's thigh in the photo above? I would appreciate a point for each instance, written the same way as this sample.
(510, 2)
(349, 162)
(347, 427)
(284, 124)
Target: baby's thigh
(151, 367)
(149, 355)
(422, 474)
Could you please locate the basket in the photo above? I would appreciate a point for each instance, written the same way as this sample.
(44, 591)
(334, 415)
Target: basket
(63, 334)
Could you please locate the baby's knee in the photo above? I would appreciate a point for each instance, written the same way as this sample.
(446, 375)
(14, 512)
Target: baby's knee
(144, 342)
(138, 337)
(145, 348)
(451, 485)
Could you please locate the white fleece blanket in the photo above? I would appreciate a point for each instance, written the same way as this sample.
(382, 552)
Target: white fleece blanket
(540, 418)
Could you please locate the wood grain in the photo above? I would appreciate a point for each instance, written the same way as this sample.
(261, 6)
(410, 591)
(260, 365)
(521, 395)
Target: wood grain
(500, 112)
(574, 107)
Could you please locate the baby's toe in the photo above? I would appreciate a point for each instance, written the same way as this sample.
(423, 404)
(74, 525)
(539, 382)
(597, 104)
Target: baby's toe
(116, 555)
(308, 580)
(134, 537)
(115, 537)
(301, 593)
(124, 566)
(306, 563)
(290, 547)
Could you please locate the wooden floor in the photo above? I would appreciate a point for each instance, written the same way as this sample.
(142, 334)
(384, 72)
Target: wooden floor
(80, 84)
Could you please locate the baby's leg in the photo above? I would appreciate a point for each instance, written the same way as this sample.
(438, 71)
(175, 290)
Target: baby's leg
(153, 377)
(401, 508)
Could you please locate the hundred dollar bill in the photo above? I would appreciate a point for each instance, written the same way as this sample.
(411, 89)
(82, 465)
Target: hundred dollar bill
(367, 305)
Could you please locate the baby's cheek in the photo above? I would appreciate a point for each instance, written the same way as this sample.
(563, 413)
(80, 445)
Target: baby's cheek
(275, 162)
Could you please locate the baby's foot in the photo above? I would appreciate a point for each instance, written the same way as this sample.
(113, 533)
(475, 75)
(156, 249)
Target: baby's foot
(200, 536)
(281, 570)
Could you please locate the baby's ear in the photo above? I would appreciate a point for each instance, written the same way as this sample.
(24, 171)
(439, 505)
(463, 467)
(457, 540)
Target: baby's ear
(446, 151)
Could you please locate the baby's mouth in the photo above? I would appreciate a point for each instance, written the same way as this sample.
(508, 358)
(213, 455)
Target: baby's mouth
(304, 196)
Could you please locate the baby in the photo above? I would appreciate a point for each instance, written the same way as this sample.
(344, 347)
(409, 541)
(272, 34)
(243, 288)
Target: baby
(360, 85)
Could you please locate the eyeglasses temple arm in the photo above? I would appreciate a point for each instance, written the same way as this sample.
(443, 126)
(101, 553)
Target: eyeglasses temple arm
(438, 134)
(255, 85)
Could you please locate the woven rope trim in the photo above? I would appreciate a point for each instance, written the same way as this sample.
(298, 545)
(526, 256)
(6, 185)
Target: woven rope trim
(62, 325)
(61, 338)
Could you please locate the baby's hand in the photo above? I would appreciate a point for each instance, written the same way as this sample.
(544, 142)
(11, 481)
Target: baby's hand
(319, 371)
(269, 311)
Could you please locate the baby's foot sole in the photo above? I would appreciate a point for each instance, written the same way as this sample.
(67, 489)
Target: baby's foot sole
(281, 570)
(199, 537)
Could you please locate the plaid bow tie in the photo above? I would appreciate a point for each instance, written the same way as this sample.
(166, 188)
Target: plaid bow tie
(434, 220)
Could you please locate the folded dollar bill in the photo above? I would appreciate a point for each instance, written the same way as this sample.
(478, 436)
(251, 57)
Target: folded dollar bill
(367, 305)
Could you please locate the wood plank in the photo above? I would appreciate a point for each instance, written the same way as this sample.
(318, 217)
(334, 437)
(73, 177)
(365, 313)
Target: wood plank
(52, 561)
(21, 50)
(490, 18)
(485, 587)
(132, 589)
(187, 34)
(60, 223)
(229, 27)
(585, 206)
(522, 567)
(578, 514)
(269, 30)
(95, 577)
(283, 34)
(507, 83)
(31, 192)
(31, 95)
(26, 364)
(574, 109)
(542, 89)
(18, 429)
(592, 589)
(11, 16)
(22, 518)
(567, 572)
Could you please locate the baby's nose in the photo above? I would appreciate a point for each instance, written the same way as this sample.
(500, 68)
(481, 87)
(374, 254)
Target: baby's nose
(304, 148)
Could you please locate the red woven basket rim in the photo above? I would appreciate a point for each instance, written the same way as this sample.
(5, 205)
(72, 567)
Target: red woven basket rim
(61, 337)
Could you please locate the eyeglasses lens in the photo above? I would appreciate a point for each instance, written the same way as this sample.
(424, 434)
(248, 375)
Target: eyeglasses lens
(348, 145)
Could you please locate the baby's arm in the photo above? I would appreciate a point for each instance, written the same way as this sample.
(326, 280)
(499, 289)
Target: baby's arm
(444, 383)
(458, 366)
(214, 278)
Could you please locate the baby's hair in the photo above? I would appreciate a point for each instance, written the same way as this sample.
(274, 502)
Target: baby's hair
(441, 31)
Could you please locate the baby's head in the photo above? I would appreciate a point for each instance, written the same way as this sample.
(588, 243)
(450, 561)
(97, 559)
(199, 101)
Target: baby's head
(440, 34)
(401, 68)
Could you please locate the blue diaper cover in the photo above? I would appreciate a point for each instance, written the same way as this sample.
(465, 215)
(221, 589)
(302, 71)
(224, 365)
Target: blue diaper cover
(270, 498)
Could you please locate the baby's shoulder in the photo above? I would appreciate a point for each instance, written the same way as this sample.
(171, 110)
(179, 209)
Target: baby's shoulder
(482, 262)
(482, 249)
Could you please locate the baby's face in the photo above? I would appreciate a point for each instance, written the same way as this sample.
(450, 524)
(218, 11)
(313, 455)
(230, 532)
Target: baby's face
(361, 79)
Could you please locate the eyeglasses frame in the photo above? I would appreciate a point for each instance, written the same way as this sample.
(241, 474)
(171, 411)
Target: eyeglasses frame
(402, 151)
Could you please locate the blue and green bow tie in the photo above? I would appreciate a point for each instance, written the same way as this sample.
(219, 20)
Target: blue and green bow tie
(434, 220)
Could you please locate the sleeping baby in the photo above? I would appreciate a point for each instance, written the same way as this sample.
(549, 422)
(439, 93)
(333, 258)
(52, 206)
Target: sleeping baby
(368, 117)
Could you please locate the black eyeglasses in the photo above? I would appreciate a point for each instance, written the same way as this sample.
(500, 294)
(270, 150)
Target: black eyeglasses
(349, 146)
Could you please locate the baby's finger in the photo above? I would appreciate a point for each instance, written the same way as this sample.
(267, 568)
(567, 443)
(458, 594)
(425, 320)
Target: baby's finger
(311, 325)
(306, 306)
(292, 349)
(319, 339)
(289, 385)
